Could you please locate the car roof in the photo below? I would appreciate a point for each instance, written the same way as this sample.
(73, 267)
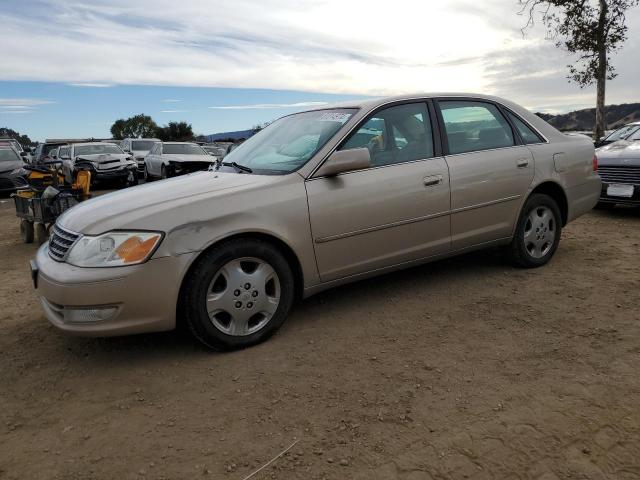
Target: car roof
(370, 103)
(90, 143)
(147, 139)
(180, 143)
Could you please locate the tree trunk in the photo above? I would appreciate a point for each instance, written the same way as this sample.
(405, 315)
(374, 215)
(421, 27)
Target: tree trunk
(601, 79)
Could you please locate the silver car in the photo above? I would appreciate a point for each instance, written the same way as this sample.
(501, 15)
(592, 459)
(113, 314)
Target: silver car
(138, 148)
(315, 200)
(169, 159)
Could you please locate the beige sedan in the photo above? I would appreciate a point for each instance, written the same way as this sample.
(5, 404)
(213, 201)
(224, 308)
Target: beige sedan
(315, 200)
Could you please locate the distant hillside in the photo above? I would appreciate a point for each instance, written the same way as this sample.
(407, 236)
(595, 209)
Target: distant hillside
(617, 115)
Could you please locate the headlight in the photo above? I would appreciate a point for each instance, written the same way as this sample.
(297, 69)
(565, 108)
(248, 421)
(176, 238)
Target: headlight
(114, 249)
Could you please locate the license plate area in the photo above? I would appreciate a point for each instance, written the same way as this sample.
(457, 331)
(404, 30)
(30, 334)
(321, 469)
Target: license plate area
(620, 190)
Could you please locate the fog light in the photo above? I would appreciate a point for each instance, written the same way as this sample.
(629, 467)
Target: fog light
(89, 315)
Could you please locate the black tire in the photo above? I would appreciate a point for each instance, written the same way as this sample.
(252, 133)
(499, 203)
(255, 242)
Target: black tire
(41, 233)
(164, 174)
(195, 289)
(520, 255)
(131, 183)
(145, 174)
(26, 231)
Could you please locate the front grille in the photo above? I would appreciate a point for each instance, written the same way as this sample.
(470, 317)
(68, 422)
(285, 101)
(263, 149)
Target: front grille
(60, 241)
(620, 174)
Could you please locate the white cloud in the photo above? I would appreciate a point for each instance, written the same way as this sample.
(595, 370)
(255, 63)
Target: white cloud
(172, 111)
(269, 105)
(354, 47)
(171, 100)
(22, 102)
(92, 85)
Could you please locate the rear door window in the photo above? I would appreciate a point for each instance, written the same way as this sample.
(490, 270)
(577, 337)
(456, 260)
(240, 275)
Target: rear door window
(474, 126)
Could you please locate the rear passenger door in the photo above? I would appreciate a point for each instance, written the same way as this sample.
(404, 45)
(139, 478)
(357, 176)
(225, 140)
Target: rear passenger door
(490, 170)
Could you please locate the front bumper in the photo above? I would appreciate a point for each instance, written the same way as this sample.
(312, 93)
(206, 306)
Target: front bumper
(143, 297)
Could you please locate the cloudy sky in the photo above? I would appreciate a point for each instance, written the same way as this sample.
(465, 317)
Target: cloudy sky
(69, 68)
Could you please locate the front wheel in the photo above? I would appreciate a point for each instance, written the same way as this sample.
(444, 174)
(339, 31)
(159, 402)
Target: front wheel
(238, 294)
(145, 174)
(537, 232)
(163, 172)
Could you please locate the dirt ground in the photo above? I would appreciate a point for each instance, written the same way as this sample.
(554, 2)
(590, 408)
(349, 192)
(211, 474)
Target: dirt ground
(465, 368)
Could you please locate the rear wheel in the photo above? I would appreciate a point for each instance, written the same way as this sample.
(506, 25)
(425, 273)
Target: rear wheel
(537, 233)
(26, 231)
(238, 294)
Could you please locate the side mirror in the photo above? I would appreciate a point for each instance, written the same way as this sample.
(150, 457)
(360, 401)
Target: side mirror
(345, 161)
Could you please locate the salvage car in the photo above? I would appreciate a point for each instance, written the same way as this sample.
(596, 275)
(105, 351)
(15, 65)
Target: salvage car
(11, 170)
(317, 199)
(138, 148)
(105, 161)
(621, 133)
(619, 169)
(169, 159)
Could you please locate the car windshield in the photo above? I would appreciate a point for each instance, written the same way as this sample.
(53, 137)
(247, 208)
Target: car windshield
(635, 136)
(215, 150)
(142, 145)
(288, 143)
(8, 155)
(96, 149)
(182, 149)
(622, 133)
(47, 148)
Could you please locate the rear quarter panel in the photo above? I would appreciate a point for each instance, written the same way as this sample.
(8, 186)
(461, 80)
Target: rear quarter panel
(568, 161)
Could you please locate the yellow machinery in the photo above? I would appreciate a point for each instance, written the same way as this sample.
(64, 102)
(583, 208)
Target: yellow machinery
(46, 197)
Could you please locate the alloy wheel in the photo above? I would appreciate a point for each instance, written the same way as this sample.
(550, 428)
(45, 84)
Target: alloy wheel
(243, 296)
(539, 232)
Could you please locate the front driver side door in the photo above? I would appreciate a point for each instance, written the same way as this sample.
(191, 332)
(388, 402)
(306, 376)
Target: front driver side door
(394, 212)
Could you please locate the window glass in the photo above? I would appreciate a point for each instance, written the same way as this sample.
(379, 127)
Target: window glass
(8, 155)
(528, 135)
(141, 145)
(473, 126)
(288, 143)
(182, 149)
(622, 133)
(395, 135)
(97, 149)
(635, 136)
(63, 152)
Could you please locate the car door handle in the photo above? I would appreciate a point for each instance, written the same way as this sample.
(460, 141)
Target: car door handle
(522, 162)
(432, 180)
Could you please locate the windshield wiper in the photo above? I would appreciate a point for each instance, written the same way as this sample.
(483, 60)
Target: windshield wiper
(237, 166)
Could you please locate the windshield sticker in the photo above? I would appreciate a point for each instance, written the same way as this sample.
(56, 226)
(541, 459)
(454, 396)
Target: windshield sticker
(334, 117)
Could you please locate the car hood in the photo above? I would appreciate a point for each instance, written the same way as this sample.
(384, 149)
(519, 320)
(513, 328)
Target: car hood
(157, 205)
(8, 167)
(187, 158)
(621, 152)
